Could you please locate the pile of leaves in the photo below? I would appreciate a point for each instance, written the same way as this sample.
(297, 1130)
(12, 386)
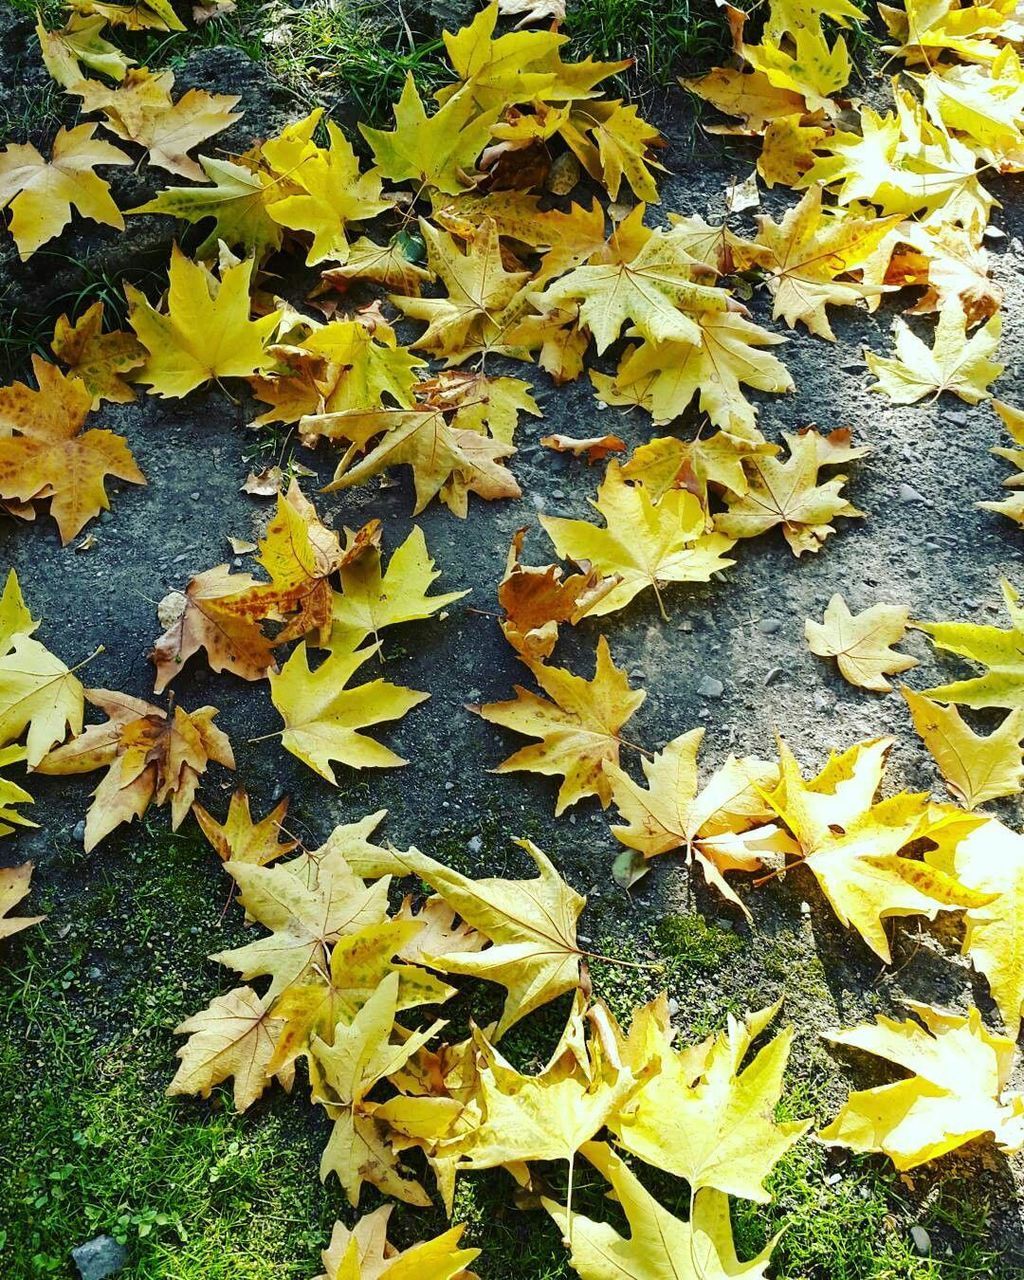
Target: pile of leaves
(478, 218)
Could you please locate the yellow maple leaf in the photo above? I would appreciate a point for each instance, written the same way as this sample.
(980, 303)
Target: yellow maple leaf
(237, 201)
(360, 961)
(647, 541)
(518, 66)
(46, 455)
(670, 463)
(957, 363)
(547, 1116)
(976, 768)
(371, 600)
(134, 15)
(140, 109)
(998, 649)
(308, 903)
(342, 1074)
(205, 332)
(439, 151)
(37, 691)
(659, 1244)
(331, 194)
(12, 794)
(300, 554)
(447, 461)
(388, 265)
(531, 925)
(655, 289)
(14, 885)
(234, 1037)
(99, 359)
(854, 847)
(804, 256)
(1013, 506)
(478, 291)
(151, 757)
(322, 716)
(613, 143)
(748, 95)
(80, 44)
(956, 1091)
(991, 860)
(790, 494)
(711, 825)
(861, 642)
(578, 728)
(363, 1253)
(705, 1117)
(239, 839)
(41, 193)
(806, 65)
(664, 377)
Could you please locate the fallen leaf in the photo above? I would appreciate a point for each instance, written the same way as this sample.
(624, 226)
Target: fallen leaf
(710, 824)
(14, 885)
(704, 1117)
(151, 757)
(956, 1090)
(976, 768)
(579, 727)
(594, 448)
(140, 109)
(322, 716)
(365, 1254)
(645, 543)
(41, 193)
(99, 359)
(46, 455)
(791, 494)
(854, 846)
(997, 649)
(234, 1037)
(531, 925)
(205, 333)
(955, 363)
(861, 643)
(659, 1244)
(239, 839)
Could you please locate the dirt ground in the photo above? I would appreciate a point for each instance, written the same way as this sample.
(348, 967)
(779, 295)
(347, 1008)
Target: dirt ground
(923, 543)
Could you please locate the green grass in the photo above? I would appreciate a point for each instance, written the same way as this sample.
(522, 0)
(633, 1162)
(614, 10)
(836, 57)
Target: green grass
(661, 38)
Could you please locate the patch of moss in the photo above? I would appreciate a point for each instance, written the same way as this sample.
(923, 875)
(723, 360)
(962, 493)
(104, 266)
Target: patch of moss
(690, 944)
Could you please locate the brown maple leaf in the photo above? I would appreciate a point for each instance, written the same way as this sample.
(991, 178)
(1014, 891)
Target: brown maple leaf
(201, 617)
(151, 757)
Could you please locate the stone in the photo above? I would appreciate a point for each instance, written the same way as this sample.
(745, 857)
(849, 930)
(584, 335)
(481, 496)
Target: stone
(769, 626)
(922, 1240)
(710, 687)
(79, 832)
(474, 844)
(909, 494)
(99, 1258)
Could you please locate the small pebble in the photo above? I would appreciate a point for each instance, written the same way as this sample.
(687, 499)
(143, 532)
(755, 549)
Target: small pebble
(474, 844)
(769, 626)
(922, 1240)
(79, 832)
(194, 496)
(710, 687)
(685, 625)
(909, 494)
(956, 418)
(775, 674)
